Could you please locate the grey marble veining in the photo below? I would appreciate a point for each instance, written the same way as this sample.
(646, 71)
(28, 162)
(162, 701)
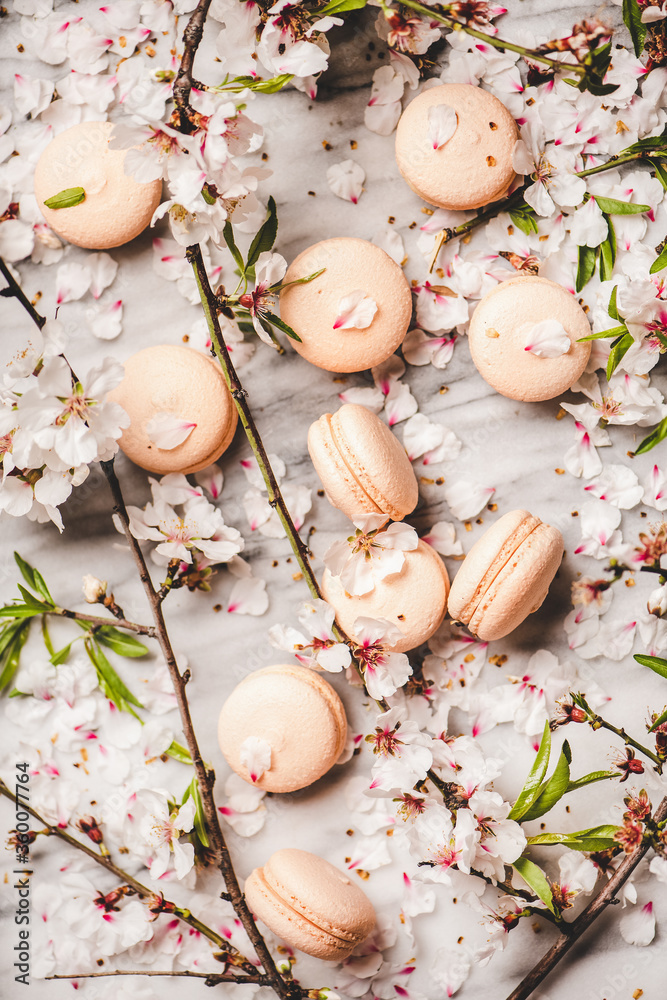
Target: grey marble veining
(515, 448)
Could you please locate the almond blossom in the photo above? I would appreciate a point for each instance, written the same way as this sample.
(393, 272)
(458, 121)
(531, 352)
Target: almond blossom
(374, 552)
(402, 752)
(444, 844)
(269, 272)
(384, 671)
(318, 648)
(162, 826)
(346, 180)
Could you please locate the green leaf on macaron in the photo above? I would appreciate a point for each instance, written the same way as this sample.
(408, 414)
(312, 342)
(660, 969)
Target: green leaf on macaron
(66, 199)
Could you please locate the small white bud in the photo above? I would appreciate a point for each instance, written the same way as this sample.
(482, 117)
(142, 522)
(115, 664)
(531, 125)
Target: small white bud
(93, 589)
(657, 602)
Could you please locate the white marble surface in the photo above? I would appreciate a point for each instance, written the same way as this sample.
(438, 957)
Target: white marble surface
(511, 446)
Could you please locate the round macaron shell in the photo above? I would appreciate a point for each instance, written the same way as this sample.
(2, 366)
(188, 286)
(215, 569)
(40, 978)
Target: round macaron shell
(181, 381)
(116, 208)
(474, 167)
(499, 329)
(297, 712)
(363, 466)
(310, 904)
(312, 308)
(414, 600)
(521, 586)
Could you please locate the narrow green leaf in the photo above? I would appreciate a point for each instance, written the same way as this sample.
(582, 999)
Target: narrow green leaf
(62, 655)
(179, 753)
(608, 252)
(277, 321)
(606, 832)
(300, 281)
(659, 721)
(32, 602)
(66, 199)
(12, 654)
(120, 642)
(524, 221)
(585, 266)
(531, 787)
(19, 611)
(589, 779)
(611, 333)
(109, 681)
(659, 262)
(554, 789)
(632, 15)
(657, 435)
(340, 6)
(47, 637)
(612, 308)
(266, 236)
(27, 571)
(655, 663)
(536, 879)
(610, 206)
(618, 351)
(660, 173)
(228, 233)
(199, 820)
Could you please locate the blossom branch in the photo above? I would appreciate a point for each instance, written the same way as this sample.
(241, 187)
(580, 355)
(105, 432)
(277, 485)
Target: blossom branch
(142, 891)
(211, 978)
(205, 777)
(14, 290)
(605, 898)
(80, 616)
(596, 721)
(184, 81)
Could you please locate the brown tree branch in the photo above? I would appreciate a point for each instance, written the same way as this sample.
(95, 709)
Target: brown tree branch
(184, 81)
(15, 291)
(80, 616)
(205, 777)
(104, 861)
(211, 978)
(606, 897)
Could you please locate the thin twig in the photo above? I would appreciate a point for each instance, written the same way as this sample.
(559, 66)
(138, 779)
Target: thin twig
(205, 777)
(15, 291)
(184, 81)
(212, 978)
(597, 722)
(579, 926)
(147, 630)
(105, 862)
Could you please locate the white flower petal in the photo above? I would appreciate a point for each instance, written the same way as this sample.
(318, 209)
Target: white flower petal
(346, 180)
(638, 926)
(355, 311)
(442, 124)
(255, 756)
(167, 431)
(546, 339)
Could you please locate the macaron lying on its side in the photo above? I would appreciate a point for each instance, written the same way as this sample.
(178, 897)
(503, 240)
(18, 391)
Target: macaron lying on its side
(414, 600)
(505, 323)
(473, 165)
(506, 575)
(363, 466)
(310, 904)
(163, 385)
(116, 208)
(297, 713)
(321, 312)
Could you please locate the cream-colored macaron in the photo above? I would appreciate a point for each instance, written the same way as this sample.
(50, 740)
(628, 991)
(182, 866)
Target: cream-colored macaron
(293, 710)
(175, 382)
(414, 599)
(472, 167)
(352, 267)
(310, 904)
(506, 575)
(116, 207)
(364, 468)
(505, 325)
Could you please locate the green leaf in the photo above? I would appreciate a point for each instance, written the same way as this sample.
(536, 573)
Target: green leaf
(266, 236)
(608, 252)
(659, 262)
(20, 611)
(655, 663)
(109, 681)
(66, 199)
(277, 321)
(618, 350)
(524, 221)
(207, 196)
(120, 642)
(589, 779)
(610, 206)
(228, 233)
(11, 655)
(554, 789)
(300, 281)
(179, 753)
(659, 721)
(660, 173)
(340, 6)
(612, 333)
(531, 788)
(657, 435)
(269, 86)
(62, 655)
(199, 820)
(32, 602)
(632, 16)
(612, 308)
(47, 638)
(603, 834)
(536, 879)
(585, 266)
